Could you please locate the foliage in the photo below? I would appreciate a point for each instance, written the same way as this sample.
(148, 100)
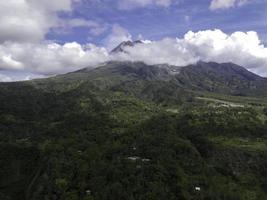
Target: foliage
(67, 138)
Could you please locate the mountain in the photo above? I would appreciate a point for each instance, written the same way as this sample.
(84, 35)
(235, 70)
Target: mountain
(128, 130)
(225, 78)
(120, 47)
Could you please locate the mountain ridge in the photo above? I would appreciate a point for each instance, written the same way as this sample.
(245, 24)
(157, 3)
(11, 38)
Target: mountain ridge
(222, 78)
(121, 46)
(227, 78)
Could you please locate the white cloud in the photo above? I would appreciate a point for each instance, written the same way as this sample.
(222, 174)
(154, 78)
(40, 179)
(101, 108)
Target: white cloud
(7, 60)
(211, 45)
(49, 58)
(23, 26)
(243, 48)
(225, 4)
(130, 4)
(29, 20)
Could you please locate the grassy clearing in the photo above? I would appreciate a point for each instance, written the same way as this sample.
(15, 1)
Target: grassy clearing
(241, 143)
(250, 101)
(220, 102)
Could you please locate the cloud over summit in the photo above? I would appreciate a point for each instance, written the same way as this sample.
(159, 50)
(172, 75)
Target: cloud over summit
(243, 48)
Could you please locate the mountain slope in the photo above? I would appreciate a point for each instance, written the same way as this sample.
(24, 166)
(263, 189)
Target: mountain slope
(128, 130)
(225, 78)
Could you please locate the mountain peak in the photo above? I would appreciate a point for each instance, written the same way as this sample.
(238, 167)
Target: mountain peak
(121, 46)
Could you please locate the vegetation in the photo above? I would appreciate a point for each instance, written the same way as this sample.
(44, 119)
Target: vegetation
(68, 138)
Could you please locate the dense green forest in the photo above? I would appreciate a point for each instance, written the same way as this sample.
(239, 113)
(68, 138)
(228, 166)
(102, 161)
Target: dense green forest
(133, 133)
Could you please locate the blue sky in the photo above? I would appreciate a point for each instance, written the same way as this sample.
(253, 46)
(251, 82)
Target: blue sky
(156, 22)
(40, 38)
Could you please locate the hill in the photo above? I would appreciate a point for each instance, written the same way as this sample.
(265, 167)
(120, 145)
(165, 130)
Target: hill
(128, 130)
(225, 78)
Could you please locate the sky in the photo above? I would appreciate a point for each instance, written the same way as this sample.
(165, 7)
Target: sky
(40, 38)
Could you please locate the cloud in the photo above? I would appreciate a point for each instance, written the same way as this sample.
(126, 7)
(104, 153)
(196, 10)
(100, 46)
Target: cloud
(29, 20)
(117, 36)
(66, 25)
(23, 48)
(7, 60)
(225, 4)
(48, 58)
(243, 48)
(131, 4)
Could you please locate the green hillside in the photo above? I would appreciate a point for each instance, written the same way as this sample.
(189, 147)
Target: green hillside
(130, 131)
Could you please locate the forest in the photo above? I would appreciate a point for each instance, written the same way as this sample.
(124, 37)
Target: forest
(79, 140)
